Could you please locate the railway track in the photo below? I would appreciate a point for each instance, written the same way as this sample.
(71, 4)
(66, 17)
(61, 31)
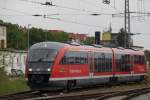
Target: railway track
(91, 93)
(116, 95)
(124, 95)
(26, 95)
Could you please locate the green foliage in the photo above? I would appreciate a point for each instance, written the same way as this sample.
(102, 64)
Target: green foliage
(3, 75)
(88, 41)
(10, 85)
(18, 39)
(147, 54)
(39, 35)
(121, 38)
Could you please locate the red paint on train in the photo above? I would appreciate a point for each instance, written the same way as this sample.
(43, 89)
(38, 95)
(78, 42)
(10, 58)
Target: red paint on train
(94, 62)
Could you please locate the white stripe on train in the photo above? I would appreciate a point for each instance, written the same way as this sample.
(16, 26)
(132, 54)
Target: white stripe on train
(94, 77)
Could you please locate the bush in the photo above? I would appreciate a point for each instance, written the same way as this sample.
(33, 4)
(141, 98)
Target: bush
(10, 85)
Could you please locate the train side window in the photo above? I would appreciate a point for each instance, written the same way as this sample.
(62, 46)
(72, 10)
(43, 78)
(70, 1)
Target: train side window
(64, 60)
(68, 58)
(139, 59)
(80, 57)
(118, 59)
(97, 61)
(83, 57)
(108, 65)
(142, 60)
(102, 62)
(126, 63)
(131, 60)
(123, 62)
(74, 57)
(136, 59)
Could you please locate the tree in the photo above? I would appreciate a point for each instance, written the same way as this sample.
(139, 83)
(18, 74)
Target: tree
(58, 36)
(18, 39)
(147, 55)
(36, 35)
(123, 38)
(15, 37)
(88, 41)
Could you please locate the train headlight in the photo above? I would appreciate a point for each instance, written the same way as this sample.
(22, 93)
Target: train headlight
(30, 69)
(48, 69)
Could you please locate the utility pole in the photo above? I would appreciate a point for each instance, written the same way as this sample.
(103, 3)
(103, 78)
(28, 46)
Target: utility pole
(127, 37)
(29, 36)
(127, 25)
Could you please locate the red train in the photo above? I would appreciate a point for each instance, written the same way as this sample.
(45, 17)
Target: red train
(71, 65)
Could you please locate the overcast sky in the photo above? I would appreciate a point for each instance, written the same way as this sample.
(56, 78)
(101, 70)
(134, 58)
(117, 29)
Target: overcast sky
(74, 16)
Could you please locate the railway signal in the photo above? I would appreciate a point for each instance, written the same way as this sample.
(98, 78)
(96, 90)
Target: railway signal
(97, 37)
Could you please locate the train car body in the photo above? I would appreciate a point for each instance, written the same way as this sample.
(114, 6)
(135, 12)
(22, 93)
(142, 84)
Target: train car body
(65, 65)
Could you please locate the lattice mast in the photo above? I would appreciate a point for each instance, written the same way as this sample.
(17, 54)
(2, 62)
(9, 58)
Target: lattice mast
(127, 24)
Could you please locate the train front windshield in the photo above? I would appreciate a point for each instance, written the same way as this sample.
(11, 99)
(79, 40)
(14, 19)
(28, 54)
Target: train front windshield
(41, 59)
(42, 55)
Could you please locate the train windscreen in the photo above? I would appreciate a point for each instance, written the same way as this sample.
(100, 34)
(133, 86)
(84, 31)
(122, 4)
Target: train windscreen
(42, 55)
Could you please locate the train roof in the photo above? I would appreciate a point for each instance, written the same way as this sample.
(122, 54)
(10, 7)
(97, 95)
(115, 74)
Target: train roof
(48, 45)
(72, 47)
(58, 45)
(128, 51)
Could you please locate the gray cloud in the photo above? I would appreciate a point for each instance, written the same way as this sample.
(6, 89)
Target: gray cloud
(26, 9)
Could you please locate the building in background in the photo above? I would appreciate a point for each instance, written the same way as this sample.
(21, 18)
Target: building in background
(3, 37)
(77, 37)
(97, 37)
(13, 61)
(109, 39)
(138, 47)
(55, 31)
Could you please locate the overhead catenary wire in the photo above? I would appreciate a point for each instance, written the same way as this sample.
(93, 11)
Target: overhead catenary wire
(94, 13)
(17, 11)
(70, 21)
(114, 7)
(14, 15)
(58, 19)
(29, 14)
(142, 21)
(140, 8)
(97, 14)
(74, 22)
(91, 4)
(59, 6)
(91, 14)
(53, 14)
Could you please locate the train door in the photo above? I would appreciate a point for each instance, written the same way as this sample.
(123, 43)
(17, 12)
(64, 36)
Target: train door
(131, 63)
(91, 64)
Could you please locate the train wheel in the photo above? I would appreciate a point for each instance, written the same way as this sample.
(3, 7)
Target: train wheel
(113, 80)
(142, 78)
(71, 84)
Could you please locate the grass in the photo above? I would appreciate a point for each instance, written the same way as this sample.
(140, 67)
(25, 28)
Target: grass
(148, 75)
(9, 85)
